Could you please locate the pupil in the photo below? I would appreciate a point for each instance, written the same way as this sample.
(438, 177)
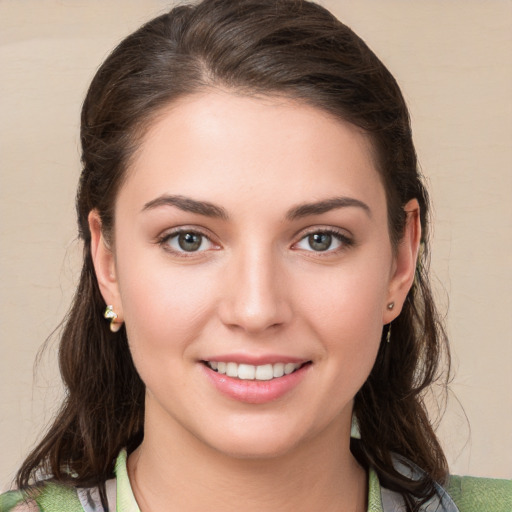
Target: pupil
(320, 241)
(189, 241)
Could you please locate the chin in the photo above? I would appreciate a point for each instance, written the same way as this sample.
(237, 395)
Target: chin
(256, 448)
(263, 440)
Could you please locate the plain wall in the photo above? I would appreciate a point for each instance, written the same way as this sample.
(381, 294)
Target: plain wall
(453, 61)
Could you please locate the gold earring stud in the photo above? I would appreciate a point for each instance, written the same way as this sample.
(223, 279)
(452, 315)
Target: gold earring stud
(111, 315)
(391, 305)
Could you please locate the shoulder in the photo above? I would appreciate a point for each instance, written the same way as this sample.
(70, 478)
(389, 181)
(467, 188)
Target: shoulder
(17, 501)
(472, 494)
(458, 494)
(47, 497)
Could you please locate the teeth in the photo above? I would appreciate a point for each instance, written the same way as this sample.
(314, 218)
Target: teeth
(264, 372)
(232, 370)
(278, 369)
(289, 368)
(250, 372)
(246, 371)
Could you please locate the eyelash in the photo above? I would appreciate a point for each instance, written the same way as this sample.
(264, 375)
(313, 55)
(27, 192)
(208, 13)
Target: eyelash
(164, 240)
(344, 240)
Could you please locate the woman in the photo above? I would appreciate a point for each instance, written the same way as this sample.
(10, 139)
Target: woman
(252, 217)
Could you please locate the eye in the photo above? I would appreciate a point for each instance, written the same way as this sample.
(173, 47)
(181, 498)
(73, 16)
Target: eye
(187, 241)
(323, 241)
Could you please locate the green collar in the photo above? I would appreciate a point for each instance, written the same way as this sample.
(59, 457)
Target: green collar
(125, 500)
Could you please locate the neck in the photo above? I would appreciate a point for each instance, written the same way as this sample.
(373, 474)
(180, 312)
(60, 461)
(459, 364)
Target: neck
(173, 470)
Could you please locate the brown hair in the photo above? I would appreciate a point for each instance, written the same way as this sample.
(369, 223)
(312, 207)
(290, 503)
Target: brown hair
(293, 48)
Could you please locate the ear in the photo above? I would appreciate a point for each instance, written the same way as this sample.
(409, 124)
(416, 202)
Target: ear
(104, 266)
(404, 267)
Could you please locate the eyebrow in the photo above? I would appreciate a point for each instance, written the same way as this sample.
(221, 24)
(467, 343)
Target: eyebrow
(324, 206)
(188, 205)
(297, 212)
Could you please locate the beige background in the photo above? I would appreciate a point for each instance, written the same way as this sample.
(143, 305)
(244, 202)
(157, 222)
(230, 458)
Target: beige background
(453, 60)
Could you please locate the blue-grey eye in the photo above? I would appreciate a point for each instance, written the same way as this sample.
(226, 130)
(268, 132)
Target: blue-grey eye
(188, 241)
(320, 241)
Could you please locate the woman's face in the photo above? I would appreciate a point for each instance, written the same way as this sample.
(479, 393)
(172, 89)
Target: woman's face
(251, 238)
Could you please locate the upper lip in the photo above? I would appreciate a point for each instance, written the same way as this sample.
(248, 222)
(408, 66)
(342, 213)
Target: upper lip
(255, 360)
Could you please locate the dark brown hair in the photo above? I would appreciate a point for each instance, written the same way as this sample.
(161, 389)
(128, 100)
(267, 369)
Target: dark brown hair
(292, 48)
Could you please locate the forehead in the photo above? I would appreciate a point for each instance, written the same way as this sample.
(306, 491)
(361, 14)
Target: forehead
(232, 146)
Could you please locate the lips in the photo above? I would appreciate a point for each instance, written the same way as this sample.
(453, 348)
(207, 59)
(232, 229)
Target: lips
(266, 381)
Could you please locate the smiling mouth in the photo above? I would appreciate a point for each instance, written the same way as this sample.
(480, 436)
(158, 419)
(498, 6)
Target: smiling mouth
(251, 372)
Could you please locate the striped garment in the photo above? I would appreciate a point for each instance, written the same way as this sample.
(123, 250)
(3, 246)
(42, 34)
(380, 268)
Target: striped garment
(463, 494)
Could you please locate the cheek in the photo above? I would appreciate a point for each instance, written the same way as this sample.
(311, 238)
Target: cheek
(344, 310)
(348, 300)
(164, 308)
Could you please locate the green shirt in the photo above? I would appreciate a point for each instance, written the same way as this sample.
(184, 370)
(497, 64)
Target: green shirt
(469, 494)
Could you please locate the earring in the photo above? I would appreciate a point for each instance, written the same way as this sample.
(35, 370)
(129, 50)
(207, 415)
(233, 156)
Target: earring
(388, 335)
(390, 306)
(111, 315)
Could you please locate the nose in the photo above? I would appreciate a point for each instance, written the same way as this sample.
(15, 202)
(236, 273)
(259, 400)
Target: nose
(254, 297)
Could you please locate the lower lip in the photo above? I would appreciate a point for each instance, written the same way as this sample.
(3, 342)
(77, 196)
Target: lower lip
(255, 391)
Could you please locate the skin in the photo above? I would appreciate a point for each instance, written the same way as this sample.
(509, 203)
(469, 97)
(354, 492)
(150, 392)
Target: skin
(256, 287)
